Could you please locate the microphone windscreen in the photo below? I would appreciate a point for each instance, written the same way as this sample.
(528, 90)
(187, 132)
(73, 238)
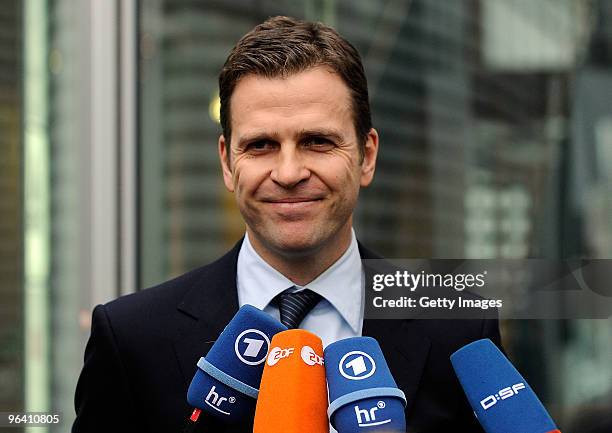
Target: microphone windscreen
(293, 393)
(501, 398)
(362, 392)
(227, 380)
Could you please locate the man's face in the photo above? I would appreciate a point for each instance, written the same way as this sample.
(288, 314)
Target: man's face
(294, 163)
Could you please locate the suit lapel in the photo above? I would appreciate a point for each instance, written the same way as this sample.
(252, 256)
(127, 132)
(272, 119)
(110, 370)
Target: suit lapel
(206, 308)
(406, 351)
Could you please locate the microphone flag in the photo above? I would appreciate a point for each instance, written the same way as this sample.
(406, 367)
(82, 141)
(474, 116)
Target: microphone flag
(226, 383)
(293, 393)
(362, 392)
(501, 398)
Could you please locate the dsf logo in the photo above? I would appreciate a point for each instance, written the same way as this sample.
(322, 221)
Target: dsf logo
(310, 357)
(251, 346)
(367, 417)
(276, 354)
(502, 394)
(215, 401)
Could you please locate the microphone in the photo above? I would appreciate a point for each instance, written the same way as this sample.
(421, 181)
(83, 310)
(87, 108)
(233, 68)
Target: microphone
(226, 382)
(362, 392)
(502, 400)
(293, 393)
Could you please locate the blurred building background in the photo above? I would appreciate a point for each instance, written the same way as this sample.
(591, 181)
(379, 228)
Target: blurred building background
(495, 119)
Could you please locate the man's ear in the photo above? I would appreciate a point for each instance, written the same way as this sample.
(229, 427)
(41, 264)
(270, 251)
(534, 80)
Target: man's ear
(370, 151)
(224, 158)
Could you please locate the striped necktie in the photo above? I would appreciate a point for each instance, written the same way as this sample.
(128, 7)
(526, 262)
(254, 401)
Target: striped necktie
(293, 307)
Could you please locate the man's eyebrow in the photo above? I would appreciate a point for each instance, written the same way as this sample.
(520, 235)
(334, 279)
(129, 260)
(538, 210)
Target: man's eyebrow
(256, 136)
(332, 134)
(321, 132)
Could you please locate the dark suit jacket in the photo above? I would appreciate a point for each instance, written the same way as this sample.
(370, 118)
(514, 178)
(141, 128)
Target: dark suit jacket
(143, 350)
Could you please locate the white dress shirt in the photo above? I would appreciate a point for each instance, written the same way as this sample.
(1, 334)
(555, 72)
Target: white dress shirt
(338, 315)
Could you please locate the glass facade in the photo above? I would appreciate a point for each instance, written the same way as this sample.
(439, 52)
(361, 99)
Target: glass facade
(495, 118)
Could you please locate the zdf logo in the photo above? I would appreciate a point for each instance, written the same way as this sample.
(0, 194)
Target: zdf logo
(310, 357)
(276, 354)
(251, 346)
(357, 365)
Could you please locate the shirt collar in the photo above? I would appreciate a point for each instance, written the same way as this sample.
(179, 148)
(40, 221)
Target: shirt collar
(340, 284)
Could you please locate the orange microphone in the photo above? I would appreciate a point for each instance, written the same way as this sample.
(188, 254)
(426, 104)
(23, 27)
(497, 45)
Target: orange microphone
(293, 392)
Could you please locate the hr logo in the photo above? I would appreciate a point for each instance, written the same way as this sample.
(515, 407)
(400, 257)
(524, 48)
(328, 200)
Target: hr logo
(251, 346)
(367, 417)
(357, 365)
(214, 400)
(276, 354)
(502, 394)
(310, 357)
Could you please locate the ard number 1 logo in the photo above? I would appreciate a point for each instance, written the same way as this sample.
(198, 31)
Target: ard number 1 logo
(252, 346)
(357, 365)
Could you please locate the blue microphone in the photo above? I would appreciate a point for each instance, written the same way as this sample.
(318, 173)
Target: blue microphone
(226, 382)
(501, 398)
(362, 392)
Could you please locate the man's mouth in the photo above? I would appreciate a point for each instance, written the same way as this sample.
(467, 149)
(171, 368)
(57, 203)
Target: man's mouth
(290, 200)
(294, 207)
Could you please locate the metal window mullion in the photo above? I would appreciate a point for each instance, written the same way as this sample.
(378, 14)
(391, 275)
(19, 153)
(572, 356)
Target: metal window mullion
(103, 155)
(128, 208)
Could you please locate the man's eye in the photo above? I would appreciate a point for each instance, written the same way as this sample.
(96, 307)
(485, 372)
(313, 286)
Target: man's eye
(258, 146)
(319, 143)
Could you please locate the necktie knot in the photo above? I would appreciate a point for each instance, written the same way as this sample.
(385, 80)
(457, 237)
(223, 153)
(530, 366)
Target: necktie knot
(293, 307)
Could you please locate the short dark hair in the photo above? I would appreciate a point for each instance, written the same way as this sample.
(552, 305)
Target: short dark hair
(282, 46)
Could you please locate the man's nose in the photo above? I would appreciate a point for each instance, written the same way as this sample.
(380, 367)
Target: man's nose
(289, 169)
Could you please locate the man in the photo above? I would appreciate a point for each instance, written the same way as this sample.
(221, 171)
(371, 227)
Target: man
(297, 145)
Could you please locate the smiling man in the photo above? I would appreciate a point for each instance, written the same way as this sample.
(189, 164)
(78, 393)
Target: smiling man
(295, 163)
(297, 145)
